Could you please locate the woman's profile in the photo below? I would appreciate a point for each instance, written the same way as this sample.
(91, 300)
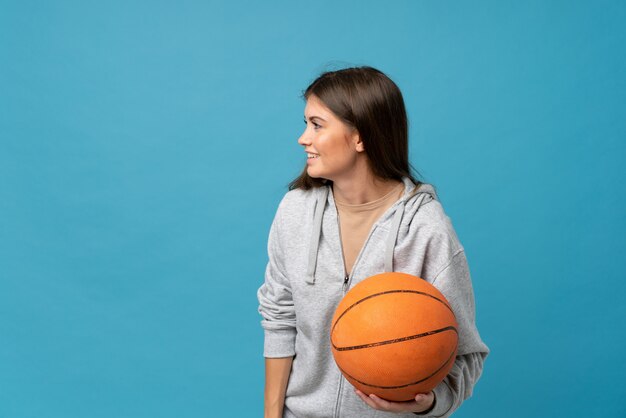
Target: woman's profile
(356, 210)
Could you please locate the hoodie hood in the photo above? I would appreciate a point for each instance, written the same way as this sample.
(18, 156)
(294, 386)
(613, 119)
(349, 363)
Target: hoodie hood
(412, 197)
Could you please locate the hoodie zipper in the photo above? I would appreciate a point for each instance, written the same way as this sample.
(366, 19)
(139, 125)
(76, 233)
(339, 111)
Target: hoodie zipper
(347, 278)
(345, 283)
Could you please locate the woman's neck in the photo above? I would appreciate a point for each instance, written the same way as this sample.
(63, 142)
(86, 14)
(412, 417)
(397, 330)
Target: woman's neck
(362, 189)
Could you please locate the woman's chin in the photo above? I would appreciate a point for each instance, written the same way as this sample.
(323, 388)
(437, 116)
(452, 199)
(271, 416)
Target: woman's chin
(312, 173)
(316, 174)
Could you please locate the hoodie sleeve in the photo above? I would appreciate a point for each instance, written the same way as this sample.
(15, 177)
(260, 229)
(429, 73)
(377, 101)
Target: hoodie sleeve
(275, 300)
(455, 283)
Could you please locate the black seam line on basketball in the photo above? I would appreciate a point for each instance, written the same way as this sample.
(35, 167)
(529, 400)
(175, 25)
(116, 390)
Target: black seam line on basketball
(401, 386)
(395, 340)
(386, 293)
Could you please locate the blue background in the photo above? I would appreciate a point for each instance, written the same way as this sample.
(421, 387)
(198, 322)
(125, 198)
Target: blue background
(145, 145)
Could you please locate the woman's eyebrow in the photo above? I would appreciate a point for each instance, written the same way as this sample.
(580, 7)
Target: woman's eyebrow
(315, 117)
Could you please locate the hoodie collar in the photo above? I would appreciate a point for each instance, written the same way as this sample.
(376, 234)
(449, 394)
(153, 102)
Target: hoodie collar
(397, 211)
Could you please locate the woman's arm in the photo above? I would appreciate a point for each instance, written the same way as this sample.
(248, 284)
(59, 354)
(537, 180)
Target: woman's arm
(276, 377)
(455, 283)
(277, 308)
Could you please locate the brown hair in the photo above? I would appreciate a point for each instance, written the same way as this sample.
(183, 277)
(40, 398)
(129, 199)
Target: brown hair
(367, 100)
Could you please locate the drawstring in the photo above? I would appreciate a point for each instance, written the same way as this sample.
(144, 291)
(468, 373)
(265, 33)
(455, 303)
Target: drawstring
(318, 213)
(392, 237)
(393, 233)
(315, 235)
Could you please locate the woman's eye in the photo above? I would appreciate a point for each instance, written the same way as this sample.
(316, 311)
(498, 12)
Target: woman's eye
(316, 126)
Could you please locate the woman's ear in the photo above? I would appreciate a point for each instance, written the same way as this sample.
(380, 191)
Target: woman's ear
(358, 143)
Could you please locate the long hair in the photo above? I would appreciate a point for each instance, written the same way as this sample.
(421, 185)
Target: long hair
(369, 101)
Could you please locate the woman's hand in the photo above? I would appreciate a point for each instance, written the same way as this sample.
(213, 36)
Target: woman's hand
(423, 402)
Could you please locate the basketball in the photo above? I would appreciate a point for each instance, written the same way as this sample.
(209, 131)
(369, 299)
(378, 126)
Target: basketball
(394, 335)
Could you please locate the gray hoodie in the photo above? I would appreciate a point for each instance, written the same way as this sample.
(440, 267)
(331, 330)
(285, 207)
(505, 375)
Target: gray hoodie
(305, 280)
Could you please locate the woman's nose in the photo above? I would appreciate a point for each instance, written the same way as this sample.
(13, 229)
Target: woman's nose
(304, 140)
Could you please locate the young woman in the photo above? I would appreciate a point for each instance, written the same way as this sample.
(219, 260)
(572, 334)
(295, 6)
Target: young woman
(355, 211)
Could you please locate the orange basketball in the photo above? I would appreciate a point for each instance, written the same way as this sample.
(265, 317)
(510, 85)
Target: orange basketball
(394, 335)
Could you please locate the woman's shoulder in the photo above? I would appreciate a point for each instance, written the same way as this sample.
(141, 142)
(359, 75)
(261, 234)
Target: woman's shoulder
(300, 196)
(426, 216)
(298, 201)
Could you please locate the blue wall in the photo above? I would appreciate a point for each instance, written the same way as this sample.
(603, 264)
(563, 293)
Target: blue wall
(144, 147)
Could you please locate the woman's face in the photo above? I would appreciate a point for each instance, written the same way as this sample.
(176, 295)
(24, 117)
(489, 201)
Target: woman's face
(332, 146)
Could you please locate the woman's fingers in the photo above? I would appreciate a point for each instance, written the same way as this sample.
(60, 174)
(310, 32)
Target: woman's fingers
(422, 402)
(366, 399)
(386, 405)
(382, 405)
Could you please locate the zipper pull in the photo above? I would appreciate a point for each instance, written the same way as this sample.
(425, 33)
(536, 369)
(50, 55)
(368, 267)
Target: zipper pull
(345, 282)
